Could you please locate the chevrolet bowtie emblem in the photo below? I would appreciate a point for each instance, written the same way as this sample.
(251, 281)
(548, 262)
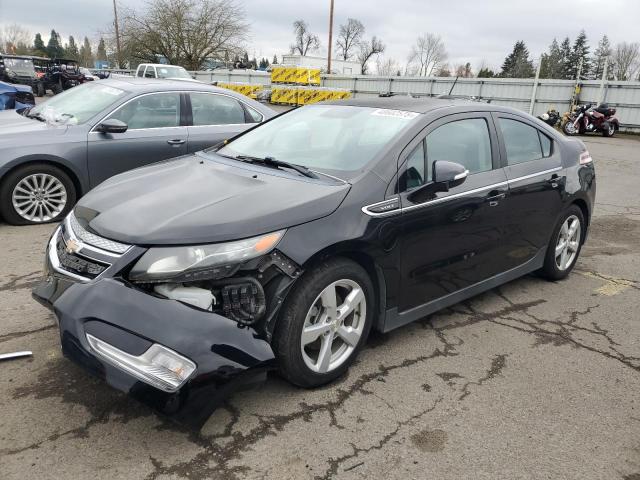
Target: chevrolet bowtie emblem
(71, 246)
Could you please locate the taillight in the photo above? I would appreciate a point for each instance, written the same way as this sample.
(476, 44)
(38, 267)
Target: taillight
(585, 157)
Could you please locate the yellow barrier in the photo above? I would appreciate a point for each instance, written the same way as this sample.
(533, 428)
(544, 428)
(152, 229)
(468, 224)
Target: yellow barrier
(296, 95)
(247, 89)
(295, 75)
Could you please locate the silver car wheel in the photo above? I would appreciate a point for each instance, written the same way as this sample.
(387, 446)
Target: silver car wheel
(333, 326)
(39, 197)
(568, 242)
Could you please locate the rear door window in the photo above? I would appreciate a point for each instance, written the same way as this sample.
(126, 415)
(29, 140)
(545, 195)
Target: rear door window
(214, 109)
(523, 142)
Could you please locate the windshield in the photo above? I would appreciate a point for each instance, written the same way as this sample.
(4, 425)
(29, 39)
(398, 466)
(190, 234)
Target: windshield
(338, 138)
(78, 104)
(172, 72)
(19, 65)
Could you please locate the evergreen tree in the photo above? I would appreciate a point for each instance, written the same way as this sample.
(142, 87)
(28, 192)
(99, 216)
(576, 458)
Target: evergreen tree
(517, 64)
(552, 64)
(86, 56)
(54, 47)
(38, 46)
(565, 57)
(71, 49)
(600, 56)
(580, 54)
(485, 72)
(245, 60)
(275, 60)
(101, 52)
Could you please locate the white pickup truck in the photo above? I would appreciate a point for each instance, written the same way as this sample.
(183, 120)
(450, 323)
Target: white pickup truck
(159, 70)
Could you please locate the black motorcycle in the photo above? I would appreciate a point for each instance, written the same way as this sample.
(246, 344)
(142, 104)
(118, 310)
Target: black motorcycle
(552, 117)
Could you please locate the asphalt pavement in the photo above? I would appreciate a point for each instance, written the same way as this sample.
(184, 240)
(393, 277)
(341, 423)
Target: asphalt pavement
(532, 380)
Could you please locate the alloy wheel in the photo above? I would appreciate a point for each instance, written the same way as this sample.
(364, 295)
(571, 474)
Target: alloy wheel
(568, 242)
(333, 326)
(39, 197)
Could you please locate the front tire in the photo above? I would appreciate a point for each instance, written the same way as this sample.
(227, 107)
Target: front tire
(565, 244)
(609, 130)
(569, 128)
(35, 194)
(324, 323)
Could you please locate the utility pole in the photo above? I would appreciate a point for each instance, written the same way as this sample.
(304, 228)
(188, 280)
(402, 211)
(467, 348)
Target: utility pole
(330, 37)
(115, 15)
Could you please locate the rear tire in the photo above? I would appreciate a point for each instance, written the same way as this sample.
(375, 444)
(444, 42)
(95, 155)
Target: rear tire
(565, 244)
(609, 130)
(46, 188)
(315, 342)
(56, 88)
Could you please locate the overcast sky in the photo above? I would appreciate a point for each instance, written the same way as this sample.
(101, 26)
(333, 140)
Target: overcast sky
(473, 30)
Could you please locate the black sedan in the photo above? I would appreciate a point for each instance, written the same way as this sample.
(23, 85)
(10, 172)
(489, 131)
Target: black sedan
(178, 281)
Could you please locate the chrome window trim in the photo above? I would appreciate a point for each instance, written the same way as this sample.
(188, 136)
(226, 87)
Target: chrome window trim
(93, 129)
(366, 208)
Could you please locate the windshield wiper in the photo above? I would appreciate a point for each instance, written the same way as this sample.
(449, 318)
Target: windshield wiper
(37, 116)
(272, 162)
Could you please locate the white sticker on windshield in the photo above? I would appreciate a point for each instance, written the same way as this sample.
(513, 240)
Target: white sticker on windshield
(385, 112)
(110, 90)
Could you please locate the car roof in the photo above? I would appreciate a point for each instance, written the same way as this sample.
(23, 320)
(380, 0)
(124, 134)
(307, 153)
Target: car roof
(145, 85)
(158, 65)
(397, 102)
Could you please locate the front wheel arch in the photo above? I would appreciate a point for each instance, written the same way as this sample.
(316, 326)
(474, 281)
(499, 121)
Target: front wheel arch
(52, 163)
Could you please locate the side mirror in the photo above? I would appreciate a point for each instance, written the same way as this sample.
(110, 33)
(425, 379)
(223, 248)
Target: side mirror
(449, 174)
(112, 125)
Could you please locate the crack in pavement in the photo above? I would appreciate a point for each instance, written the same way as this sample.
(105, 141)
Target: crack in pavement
(497, 365)
(10, 336)
(198, 467)
(334, 463)
(27, 281)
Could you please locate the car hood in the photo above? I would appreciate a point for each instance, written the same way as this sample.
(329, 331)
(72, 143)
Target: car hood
(200, 199)
(12, 123)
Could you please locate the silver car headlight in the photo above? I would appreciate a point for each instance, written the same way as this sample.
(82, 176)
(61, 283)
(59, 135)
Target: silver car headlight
(199, 262)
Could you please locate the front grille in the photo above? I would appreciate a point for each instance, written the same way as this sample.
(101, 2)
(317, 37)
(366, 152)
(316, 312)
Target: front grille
(76, 264)
(95, 240)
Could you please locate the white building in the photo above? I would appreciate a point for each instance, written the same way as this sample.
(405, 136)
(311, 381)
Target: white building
(337, 66)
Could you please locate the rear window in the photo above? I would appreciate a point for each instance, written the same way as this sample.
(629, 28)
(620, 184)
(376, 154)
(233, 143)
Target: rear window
(523, 142)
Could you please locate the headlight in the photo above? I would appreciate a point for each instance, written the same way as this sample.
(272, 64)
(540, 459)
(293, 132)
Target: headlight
(181, 264)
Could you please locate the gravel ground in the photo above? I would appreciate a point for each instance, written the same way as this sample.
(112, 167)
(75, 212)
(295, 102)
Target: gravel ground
(532, 380)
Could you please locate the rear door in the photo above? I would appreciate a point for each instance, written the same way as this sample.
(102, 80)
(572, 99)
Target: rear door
(534, 170)
(216, 117)
(156, 132)
(451, 240)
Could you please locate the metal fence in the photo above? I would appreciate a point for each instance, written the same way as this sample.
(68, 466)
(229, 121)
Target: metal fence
(516, 93)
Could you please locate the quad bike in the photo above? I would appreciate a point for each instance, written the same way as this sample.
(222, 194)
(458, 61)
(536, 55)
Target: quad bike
(587, 119)
(62, 74)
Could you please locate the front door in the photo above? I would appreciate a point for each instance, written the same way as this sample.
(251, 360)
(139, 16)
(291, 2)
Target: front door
(154, 133)
(451, 240)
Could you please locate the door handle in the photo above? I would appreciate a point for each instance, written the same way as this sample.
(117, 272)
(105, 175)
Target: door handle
(494, 197)
(175, 141)
(554, 180)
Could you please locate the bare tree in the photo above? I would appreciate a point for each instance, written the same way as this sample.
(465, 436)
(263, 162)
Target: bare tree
(368, 49)
(626, 60)
(387, 67)
(14, 39)
(349, 37)
(305, 40)
(186, 32)
(429, 53)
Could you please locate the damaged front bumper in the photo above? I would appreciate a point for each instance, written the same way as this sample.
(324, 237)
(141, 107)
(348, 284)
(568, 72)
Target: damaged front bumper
(113, 329)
